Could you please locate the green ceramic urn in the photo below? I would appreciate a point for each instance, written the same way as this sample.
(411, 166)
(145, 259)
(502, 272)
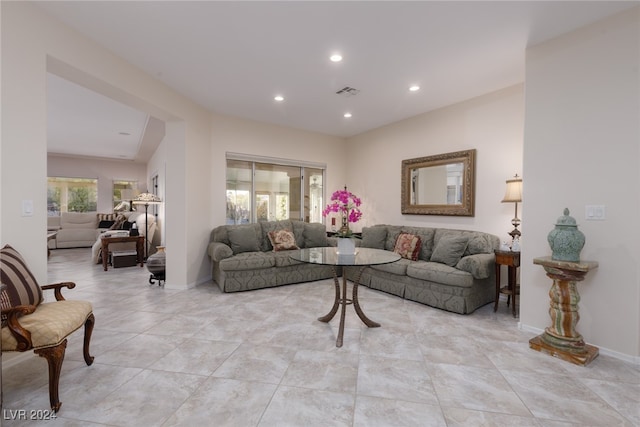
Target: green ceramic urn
(565, 239)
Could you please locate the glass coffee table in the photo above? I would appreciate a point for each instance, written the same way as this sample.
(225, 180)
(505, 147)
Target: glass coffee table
(329, 256)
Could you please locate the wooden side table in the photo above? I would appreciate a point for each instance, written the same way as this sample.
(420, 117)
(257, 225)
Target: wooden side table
(117, 239)
(50, 236)
(512, 261)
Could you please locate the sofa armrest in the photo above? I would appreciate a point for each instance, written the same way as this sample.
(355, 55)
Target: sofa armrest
(479, 265)
(218, 251)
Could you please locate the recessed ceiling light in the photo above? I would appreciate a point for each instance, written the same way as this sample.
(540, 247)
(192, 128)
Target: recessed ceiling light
(335, 57)
(414, 88)
(279, 98)
(124, 133)
(347, 115)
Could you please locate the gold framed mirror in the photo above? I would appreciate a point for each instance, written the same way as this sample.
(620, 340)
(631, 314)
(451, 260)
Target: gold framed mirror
(443, 184)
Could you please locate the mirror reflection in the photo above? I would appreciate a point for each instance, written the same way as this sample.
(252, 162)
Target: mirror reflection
(439, 185)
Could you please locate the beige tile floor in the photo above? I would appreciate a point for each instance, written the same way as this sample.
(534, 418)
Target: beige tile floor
(202, 358)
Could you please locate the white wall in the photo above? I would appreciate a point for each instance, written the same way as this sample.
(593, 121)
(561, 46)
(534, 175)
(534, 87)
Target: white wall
(106, 171)
(230, 134)
(492, 124)
(32, 44)
(582, 147)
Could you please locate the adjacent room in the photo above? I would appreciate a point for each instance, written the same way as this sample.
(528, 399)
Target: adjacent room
(320, 213)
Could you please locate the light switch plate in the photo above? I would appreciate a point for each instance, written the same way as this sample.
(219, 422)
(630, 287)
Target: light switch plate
(594, 213)
(27, 208)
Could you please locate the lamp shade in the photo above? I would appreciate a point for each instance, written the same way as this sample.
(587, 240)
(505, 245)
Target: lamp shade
(514, 190)
(147, 199)
(128, 194)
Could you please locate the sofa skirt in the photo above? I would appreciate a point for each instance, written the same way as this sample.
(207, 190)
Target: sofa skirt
(246, 280)
(457, 299)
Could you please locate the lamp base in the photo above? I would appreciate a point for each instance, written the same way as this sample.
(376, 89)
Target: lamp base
(515, 233)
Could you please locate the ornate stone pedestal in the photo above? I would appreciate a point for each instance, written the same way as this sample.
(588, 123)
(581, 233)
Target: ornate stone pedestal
(561, 338)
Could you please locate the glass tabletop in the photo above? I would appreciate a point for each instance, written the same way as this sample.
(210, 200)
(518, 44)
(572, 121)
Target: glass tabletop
(330, 256)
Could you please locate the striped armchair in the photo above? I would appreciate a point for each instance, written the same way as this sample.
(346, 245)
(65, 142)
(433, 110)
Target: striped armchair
(28, 323)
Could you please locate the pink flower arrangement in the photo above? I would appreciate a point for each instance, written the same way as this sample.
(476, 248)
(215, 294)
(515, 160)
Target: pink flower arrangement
(347, 205)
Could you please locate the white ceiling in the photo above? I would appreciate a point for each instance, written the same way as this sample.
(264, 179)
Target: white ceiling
(84, 123)
(234, 57)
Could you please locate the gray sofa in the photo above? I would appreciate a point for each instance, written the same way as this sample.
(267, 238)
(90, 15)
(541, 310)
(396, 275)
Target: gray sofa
(243, 258)
(454, 270)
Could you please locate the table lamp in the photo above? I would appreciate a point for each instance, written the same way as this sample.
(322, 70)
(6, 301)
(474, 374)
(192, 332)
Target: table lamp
(514, 195)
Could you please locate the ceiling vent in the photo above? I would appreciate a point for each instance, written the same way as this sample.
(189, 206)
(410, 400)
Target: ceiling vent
(348, 91)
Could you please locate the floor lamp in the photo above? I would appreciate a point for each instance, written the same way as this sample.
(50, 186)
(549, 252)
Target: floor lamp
(146, 199)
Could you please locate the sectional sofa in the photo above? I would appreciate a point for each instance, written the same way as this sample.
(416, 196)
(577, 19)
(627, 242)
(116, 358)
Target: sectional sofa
(452, 269)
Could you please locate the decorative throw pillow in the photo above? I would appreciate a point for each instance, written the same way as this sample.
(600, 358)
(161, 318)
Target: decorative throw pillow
(120, 219)
(107, 217)
(449, 249)
(282, 240)
(22, 287)
(105, 223)
(408, 246)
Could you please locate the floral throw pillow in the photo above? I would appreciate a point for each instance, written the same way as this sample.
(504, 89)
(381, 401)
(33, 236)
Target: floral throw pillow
(282, 240)
(408, 246)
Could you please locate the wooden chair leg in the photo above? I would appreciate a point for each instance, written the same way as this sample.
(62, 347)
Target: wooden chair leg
(54, 356)
(88, 330)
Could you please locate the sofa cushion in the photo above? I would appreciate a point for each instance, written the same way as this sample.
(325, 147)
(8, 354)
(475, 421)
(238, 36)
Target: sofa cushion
(449, 249)
(79, 220)
(282, 259)
(22, 286)
(408, 246)
(248, 261)
(315, 235)
(298, 231)
(374, 237)
(439, 273)
(267, 227)
(243, 239)
(282, 240)
(392, 235)
(399, 267)
(481, 243)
